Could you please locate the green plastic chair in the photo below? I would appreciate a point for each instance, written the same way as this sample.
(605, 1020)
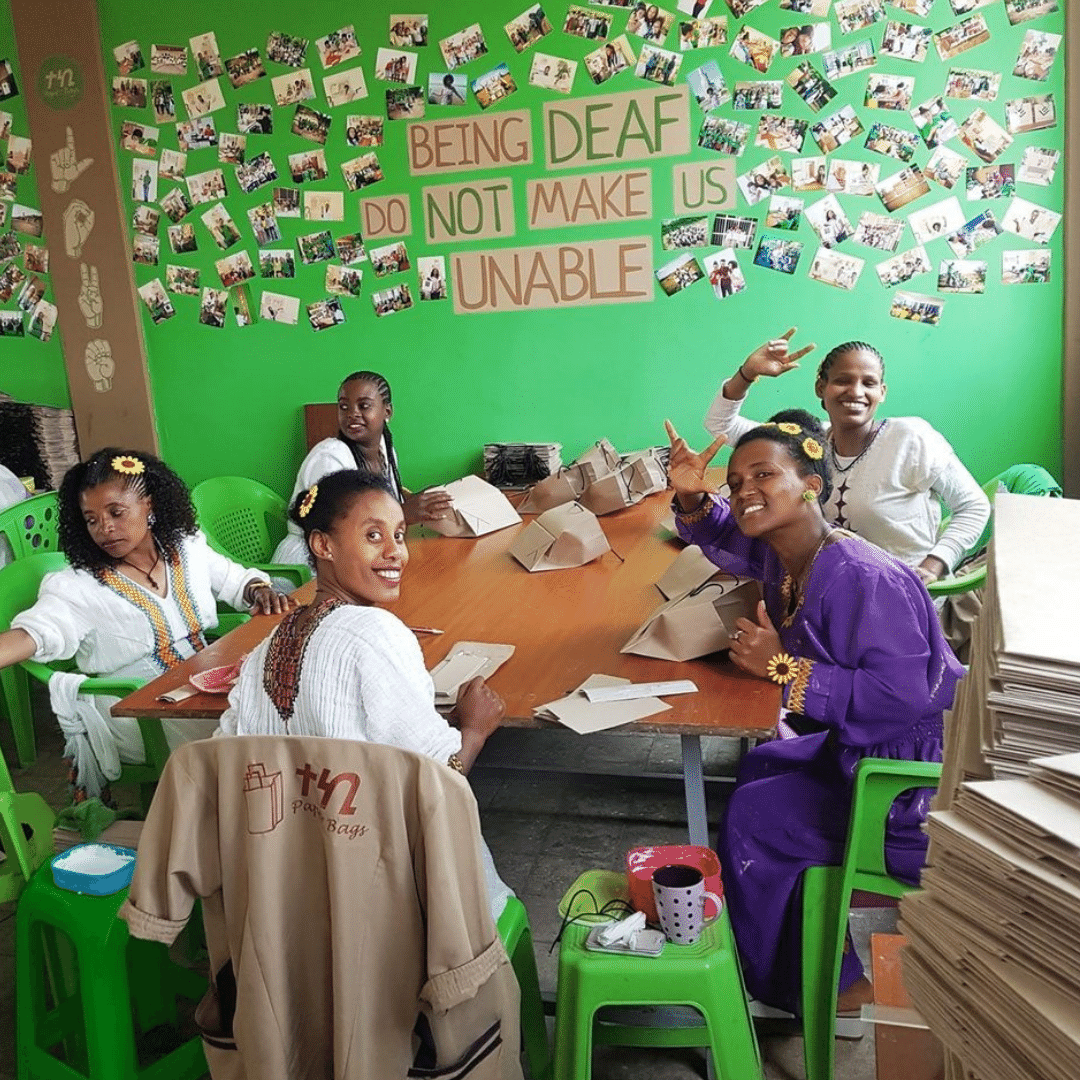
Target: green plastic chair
(31, 525)
(704, 976)
(26, 832)
(516, 936)
(246, 521)
(827, 897)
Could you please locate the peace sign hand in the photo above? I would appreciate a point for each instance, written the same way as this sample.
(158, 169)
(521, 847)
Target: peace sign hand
(772, 358)
(753, 645)
(686, 469)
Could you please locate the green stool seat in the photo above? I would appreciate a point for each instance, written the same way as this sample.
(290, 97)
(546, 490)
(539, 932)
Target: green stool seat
(704, 976)
(516, 936)
(86, 991)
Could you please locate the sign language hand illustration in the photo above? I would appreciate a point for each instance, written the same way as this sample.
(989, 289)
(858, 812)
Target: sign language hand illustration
(100, 365)
(90, 296)
(66, 166)
(78, 224)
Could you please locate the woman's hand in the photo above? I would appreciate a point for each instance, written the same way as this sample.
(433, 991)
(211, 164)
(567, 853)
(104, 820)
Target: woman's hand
(686, 469)
(266, 600)
(754, 644)
(479, 710)
(431, 504)
(931, 569)
(773, 358)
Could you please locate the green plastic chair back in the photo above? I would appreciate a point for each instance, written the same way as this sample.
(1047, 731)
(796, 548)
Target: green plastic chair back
(26, 825)
(516, 935)
(827, 896)
(31, 525)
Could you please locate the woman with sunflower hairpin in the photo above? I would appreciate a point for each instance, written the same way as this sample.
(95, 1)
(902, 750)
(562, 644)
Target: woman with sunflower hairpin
(138, 596)
(854, 639)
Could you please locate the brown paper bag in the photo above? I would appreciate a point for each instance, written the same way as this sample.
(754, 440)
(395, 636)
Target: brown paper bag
(610, 492)
(560, 538)
(690, 569)
(478, 508)
(649, 474)
(564, 487)
(599, 460)
(698, 623)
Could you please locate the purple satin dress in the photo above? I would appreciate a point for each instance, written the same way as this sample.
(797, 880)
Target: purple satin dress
(880, 676)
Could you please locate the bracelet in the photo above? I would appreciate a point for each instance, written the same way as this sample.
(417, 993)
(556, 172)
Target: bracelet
(255, 586)
(455, 763)
(782, 668)
(692, 517)
(746, 380)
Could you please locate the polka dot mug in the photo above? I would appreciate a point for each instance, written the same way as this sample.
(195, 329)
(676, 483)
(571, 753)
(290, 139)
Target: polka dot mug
(680, 902)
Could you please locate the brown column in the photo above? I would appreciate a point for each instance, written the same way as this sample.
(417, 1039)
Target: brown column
(66, 91)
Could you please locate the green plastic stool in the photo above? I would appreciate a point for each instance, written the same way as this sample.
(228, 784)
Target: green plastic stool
(516, 936)
(31, 526)
(827, 897)
(84, 1000)
(704, 976)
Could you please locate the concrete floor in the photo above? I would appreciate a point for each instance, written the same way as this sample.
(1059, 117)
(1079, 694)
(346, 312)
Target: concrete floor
(544, 829)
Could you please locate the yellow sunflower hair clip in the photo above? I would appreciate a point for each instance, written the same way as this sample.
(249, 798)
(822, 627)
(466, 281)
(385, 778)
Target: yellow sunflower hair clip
(789, 429)
(128, 464)
(309, 501)
(812, 449)
(782, 668)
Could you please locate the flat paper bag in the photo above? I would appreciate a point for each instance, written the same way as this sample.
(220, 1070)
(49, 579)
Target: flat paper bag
(576, 712)
(696, 624)
(478, 508)
(463, 662)
(610, 493)
(564, 487)
(598, 460)
(690, 569)
(559, 539)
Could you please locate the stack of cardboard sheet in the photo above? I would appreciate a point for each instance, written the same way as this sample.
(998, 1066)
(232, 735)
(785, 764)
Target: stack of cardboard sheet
(512, 465)
(38, 441)
(1021, 698)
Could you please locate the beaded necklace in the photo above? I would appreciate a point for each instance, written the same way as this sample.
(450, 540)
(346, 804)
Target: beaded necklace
(837, 467)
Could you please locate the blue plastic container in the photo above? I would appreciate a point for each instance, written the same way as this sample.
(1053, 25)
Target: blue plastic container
(93, 884)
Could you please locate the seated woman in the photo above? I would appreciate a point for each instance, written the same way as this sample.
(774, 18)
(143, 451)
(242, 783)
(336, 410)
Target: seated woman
(363, 442)
(138, 597)
(890, 475)
(866, 673)
(345, 668)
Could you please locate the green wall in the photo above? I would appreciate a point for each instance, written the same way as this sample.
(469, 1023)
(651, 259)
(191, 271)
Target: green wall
(29, 369)
(228, 401)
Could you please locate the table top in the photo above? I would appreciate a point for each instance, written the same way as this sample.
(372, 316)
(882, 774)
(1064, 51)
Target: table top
(565, 625)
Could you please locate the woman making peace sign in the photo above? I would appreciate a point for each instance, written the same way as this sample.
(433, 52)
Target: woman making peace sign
(854, 639)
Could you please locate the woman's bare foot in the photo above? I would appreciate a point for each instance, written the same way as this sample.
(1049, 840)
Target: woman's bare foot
(859, 993)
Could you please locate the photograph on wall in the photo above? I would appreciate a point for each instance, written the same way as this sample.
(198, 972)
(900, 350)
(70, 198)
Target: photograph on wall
(971, 236)
(145, 250)
(276, 263)
(981, 133)
(811, 86)
(342, 46)
(222, 227)
(901, 188)
(310, 124)
(406, 103)
(362, 171)
(11, 277)
(818, 8)
(678, 274)
(364, 130)
(343, 280)
(723, 135)
(528, 28)
(139, 138)
(308, 165)
(196, 134)
(854, 15)
(30, 294)
(991, 182)
(182, 239)
(581, 22)
(849, 60)
(207, 186)
(885, 91)
(234, 269)
(964, 7)
(393, 65)
(610, 59)
(684, 232)
(1022, 10)
(408, 31)
(658, 65)
(903, 41)
(937, 221)
(128, 57)
(961, 276)
(276, 307)
(964, 83)
(245, 68)
(324, 205)
(173, 164)
(258, 172)
(157, 301)
(828, 220)
(763, 180)
(286, 202)
(552, 72)
(836, 269)
(783, 133)
(934, 122)
(26, 220)
(493, 86)
(649, 22)
(1038, 165)
(852, 177)
(468, 44)
(431, 274)
(145, 220)
(891, 141)
(36, 257)
(12, 324)
(961, 37)
(5, 124)
(1030, 114)
(445, 88)
(264, 223)
(8, 182)
(9, 88)
(254, 119)
(207, 56)
(389, 301)
(835, 130)
(232, 148)
(708, 86)
(350, 249)
(903, 267)
(1025, 267)
(754, 48)
(127, 93)
(202, 99)
(916, 307)
(725, 276)
(242, 304)
(758, 95)
(293, 87)
(806, 39)
(785, 212)
(879, 231)
(144, 181)
(809, 174)
(212, 307)
(778, 253)
(286, 49)
(1036, 58)
(1032, 222)
(42, 320)
(703, 33)
(739, 8)
(389, 259)
(316, 247)
(730, 230)
(945, 167)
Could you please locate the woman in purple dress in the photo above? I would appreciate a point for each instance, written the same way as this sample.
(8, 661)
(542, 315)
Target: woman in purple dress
(854, 639)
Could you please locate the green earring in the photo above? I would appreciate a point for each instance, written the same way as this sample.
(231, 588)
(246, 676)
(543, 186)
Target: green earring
(809, 495)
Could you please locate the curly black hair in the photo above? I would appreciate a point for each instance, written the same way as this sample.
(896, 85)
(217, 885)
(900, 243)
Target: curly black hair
(794, 442)
(170, 500)
(334, 495)
(834, 354)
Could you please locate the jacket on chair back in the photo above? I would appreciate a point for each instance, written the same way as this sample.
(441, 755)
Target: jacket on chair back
(344, 900)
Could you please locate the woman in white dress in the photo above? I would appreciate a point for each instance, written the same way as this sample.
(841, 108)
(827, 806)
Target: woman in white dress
(346, 668)
(890, 476)
(363, 442)
(138, 597)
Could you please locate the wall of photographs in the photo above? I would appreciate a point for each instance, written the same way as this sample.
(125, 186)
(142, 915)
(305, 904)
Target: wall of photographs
(560, 221)
(31, 360)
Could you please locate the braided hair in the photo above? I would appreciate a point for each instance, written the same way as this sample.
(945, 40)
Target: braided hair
(834, 354)
(803, 437)
(383, 387)
(174, 516)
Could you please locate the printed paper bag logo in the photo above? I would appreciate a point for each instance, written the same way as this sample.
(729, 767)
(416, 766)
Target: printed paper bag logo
(60, 82)
(264, 794)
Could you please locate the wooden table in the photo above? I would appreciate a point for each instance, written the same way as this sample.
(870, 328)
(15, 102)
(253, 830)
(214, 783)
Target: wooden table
(566, 625)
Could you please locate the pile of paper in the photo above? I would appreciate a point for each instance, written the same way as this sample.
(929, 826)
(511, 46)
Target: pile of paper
(993, 962)
(578, 713)
(1021, 697)
(38, 441)
(514, 465)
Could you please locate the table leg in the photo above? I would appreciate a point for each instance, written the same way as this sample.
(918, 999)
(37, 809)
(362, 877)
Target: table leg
(697, 818)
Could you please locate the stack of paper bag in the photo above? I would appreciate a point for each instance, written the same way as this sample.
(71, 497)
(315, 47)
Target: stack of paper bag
(515, 465)
(560, 538)
(599, 459)
(465, 661)
(478, 508)
(564, 487)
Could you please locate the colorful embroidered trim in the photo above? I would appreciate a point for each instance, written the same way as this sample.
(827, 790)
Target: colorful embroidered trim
(285, 656)
(692, 517)
(798, 688)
